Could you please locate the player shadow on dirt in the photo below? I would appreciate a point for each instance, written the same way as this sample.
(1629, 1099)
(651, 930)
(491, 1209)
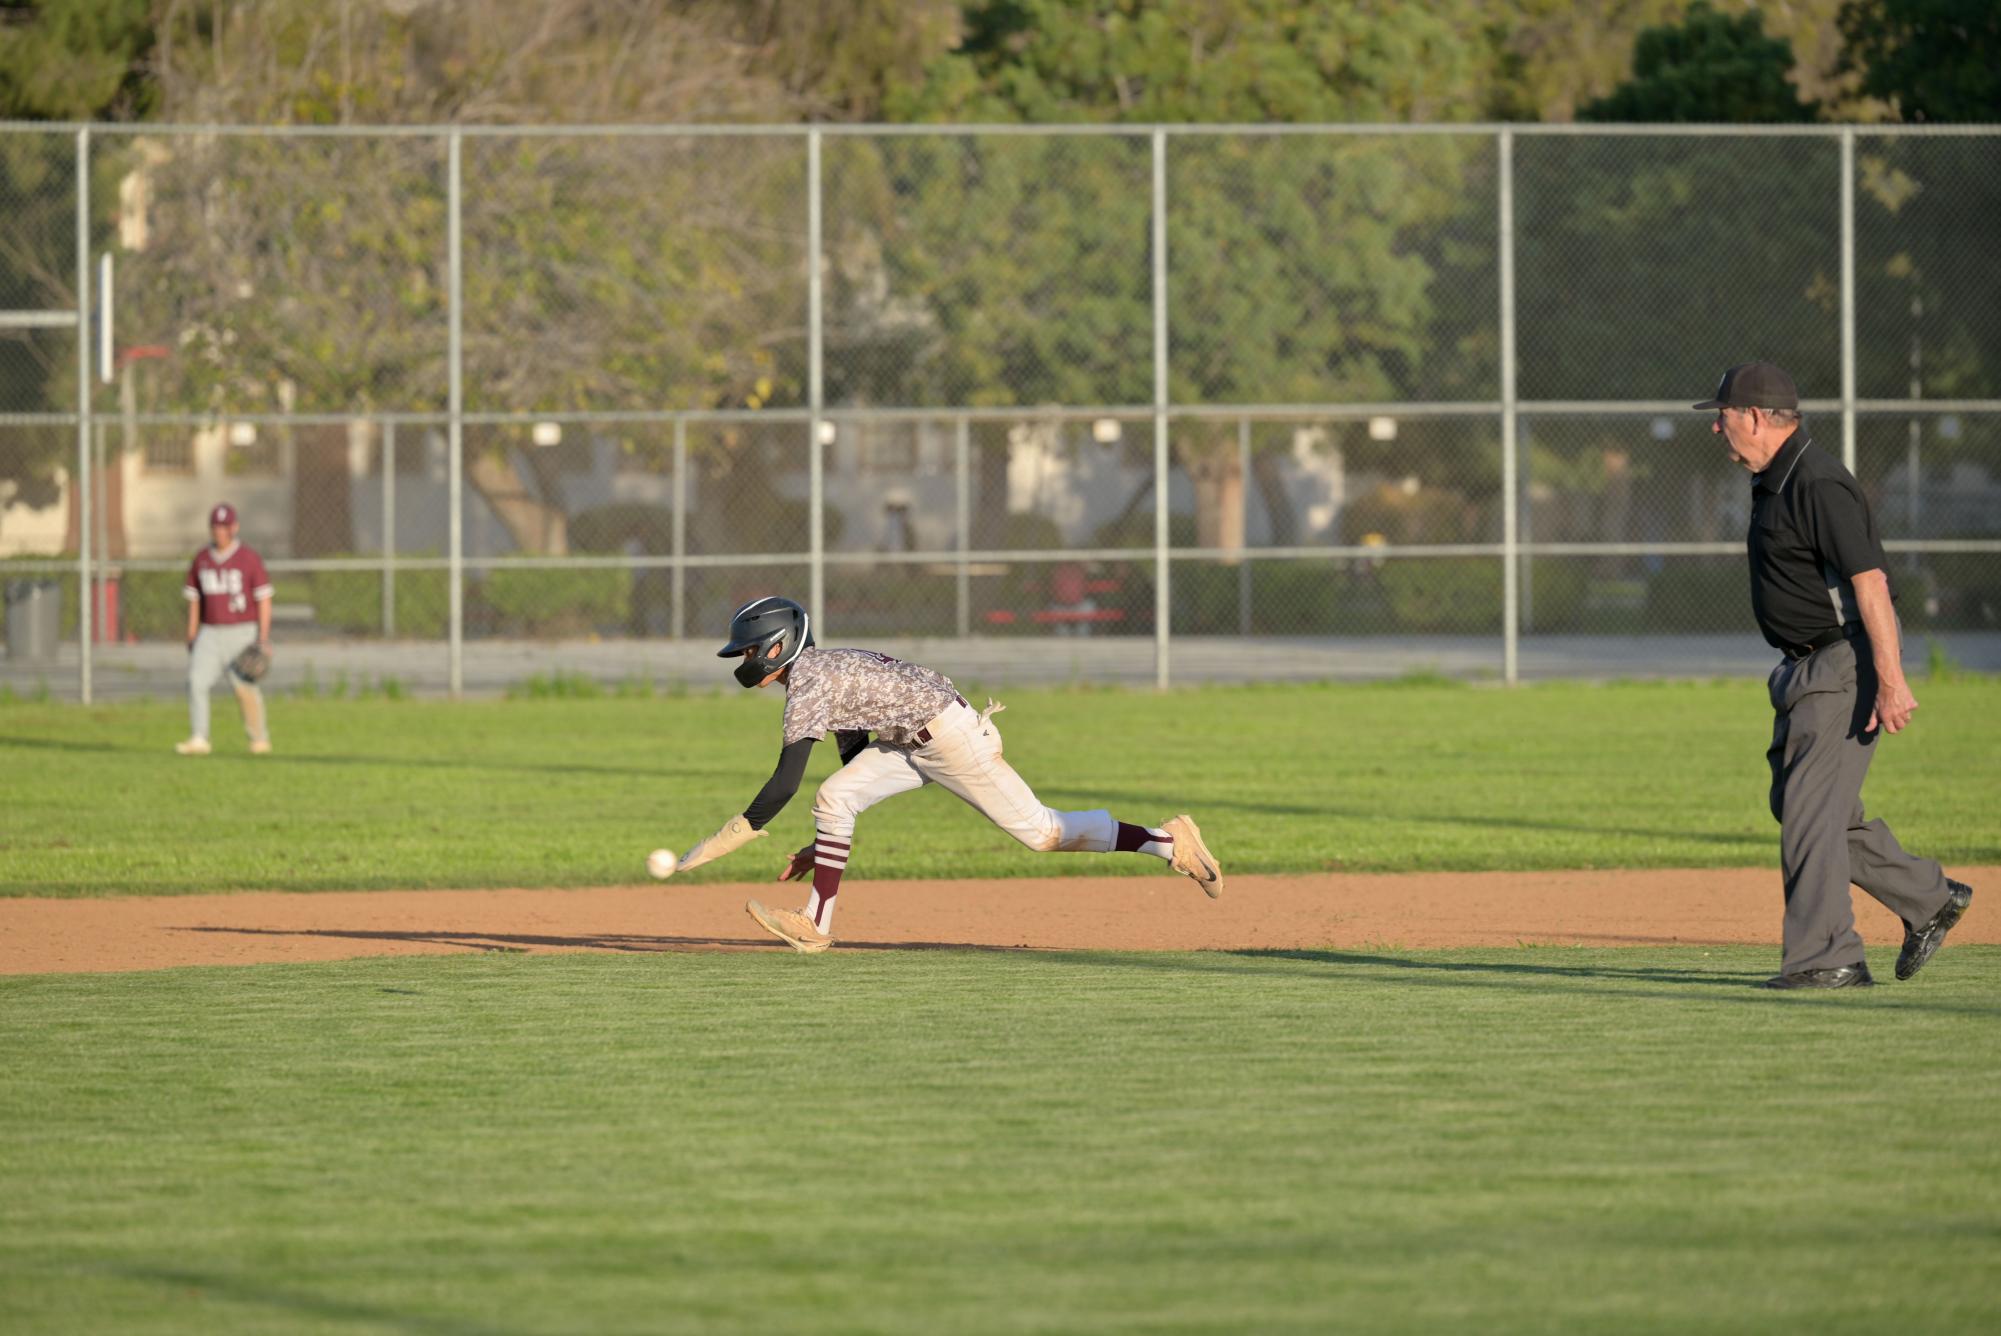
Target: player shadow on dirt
(1140, 801)
(523, 943)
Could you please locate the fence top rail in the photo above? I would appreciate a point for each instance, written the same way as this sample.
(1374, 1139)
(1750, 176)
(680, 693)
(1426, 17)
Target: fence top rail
(1415, 408)
(882, 130)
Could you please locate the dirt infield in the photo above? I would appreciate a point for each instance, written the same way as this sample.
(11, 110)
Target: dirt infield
(1655, 908)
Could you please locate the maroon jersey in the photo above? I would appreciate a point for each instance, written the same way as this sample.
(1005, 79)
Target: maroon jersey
(228, 586)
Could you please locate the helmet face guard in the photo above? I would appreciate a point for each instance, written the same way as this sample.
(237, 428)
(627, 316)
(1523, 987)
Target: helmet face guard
(773, 631)
(752, 671)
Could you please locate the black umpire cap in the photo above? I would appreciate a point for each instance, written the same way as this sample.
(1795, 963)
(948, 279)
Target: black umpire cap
(1754, 385)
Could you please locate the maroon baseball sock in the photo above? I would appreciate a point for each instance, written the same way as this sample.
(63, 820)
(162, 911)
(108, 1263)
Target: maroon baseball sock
(1144, 840)
(830, 860)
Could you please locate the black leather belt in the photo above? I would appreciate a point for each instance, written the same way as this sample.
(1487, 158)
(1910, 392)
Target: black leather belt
(1822, 641)
(922, 738)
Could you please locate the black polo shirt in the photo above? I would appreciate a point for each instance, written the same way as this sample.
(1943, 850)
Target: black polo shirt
(1811, 534)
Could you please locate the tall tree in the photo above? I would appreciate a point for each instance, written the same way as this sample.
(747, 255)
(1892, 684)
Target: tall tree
(1196, 60)
(1931, 60)
(1708, 67)
(1300, 269)
(309, 274)
(82, 60)
(1647, 261)
(1554, 56)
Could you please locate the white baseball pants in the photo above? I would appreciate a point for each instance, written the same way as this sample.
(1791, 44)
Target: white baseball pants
(215, 646)
(963, 757)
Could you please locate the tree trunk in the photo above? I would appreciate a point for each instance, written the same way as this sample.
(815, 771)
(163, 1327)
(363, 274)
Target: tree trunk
(1216, 472)
(107, 519)
(1277, 501)
(989, 492)
(322, 510)
(535, 526)
(72, 501)
(111, 500)
(1616, 508)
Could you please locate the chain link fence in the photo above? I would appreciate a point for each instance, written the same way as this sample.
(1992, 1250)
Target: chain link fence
(1174, 404)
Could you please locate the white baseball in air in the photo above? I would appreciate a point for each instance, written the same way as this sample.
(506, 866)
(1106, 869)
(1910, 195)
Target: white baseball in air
(661, 863)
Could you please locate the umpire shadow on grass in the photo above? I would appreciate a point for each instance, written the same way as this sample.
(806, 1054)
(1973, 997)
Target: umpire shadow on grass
(299, 1303)
(226, 757)
(1426, 973)
(522, 943)
(1506, 969)
(1732, 986)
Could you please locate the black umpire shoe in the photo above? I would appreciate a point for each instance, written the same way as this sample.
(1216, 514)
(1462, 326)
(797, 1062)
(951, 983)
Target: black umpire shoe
(1919, 943)
(1840, 976)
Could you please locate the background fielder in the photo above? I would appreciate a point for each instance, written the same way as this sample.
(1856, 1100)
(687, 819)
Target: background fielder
(229, 609)
(925, 733)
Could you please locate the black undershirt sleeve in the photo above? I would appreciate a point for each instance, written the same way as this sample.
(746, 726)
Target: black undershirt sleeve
(851, 742)
(784, 782)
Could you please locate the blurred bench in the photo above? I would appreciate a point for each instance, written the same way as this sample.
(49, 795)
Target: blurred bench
(1071, 602)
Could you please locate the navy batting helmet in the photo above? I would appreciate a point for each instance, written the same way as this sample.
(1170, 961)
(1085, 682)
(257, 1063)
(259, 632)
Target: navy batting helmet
(774, 630)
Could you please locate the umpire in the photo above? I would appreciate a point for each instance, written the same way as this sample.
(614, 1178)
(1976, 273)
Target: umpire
(1822, 597)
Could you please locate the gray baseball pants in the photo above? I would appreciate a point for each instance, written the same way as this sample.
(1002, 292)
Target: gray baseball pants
(215, 645)
(1819, 756)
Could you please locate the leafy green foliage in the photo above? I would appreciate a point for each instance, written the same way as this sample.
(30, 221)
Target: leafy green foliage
(1708, 67)
(1456, 594)
(1188, 60)
(1632, 267)
(558, 600)
(351, 602)
(79, 60)
(151, 604)
(1932, 60)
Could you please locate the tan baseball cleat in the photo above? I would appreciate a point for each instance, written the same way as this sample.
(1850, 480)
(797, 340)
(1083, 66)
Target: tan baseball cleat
(260, 747)
(193, 747)
(791, 927)
(1192, 857)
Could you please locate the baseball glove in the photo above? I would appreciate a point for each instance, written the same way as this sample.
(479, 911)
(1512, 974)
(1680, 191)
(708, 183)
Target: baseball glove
(252, 664)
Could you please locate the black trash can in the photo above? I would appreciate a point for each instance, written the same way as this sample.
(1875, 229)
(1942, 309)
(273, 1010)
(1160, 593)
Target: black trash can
(34, 619)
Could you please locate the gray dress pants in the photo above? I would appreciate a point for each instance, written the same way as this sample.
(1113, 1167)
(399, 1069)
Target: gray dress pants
(1819, 755)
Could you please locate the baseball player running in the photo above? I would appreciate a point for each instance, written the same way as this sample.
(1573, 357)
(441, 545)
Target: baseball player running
(229, 610)
(925, 733)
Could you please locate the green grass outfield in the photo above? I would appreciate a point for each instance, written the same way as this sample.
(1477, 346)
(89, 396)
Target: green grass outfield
(928, 1141)
(401, 793)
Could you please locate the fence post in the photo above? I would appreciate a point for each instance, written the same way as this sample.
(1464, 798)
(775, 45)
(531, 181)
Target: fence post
(1510, 464)
(962, 471)
(1244, 526)
(455, 432)
(86, 595)
(1848, 297)
(1163, 604)
(679, 626)
(816, 386)
(389, 528)
(100, 548)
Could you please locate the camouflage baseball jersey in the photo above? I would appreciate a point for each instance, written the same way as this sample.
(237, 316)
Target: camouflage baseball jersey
(853, 690)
